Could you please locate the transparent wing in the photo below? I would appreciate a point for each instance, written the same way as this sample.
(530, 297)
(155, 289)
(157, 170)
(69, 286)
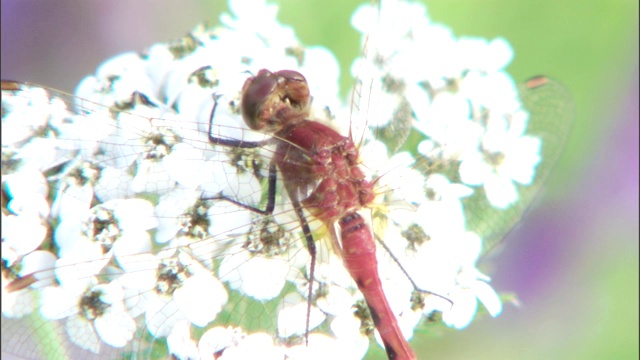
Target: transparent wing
(445, 107)
(551, 112)
(126, 228)
(379, 107)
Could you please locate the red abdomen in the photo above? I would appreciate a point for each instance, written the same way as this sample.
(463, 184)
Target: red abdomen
(359, 257)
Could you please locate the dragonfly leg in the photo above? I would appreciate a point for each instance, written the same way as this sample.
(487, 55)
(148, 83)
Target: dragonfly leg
(271, 196)
(311, 247)
(404, 271)
(235, 143)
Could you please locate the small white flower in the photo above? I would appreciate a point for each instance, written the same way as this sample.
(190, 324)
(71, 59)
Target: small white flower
(92, 313)
(186, 290)
(116, 227)
(507, 157)
(472, 287)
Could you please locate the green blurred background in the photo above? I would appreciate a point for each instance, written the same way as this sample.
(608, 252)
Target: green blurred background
(573, 261)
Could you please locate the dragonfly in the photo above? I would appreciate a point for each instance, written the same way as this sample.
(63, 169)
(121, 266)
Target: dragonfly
(157, 215)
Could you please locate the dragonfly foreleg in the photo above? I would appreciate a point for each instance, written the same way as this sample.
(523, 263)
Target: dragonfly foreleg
(235, 143)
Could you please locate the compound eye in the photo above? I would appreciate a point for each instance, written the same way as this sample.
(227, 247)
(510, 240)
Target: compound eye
(291, 75)
(295, 89)
(256, 92)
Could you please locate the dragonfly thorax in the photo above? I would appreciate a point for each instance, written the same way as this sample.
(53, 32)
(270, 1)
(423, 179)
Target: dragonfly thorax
(331, 184)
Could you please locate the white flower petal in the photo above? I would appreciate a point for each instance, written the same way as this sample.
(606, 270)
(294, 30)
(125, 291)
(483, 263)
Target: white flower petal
(488, 297)
(255, 276)
(201, 298)
(81, 333)
(180, 343)
(462, 311)
(135, 214)
(115, 327)
(292, 320)
(161, 315)
(501, 192)
(58, 303)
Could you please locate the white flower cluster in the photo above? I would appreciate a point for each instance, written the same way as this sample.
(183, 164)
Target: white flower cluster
(114, 219)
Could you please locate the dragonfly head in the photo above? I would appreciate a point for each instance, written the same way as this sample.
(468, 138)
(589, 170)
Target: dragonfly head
(272, 101)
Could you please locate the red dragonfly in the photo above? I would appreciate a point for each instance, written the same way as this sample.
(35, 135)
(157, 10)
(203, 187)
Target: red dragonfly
(322, 165)
(236, 211)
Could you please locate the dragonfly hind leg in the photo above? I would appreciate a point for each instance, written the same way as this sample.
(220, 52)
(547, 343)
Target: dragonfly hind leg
(406, 274)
